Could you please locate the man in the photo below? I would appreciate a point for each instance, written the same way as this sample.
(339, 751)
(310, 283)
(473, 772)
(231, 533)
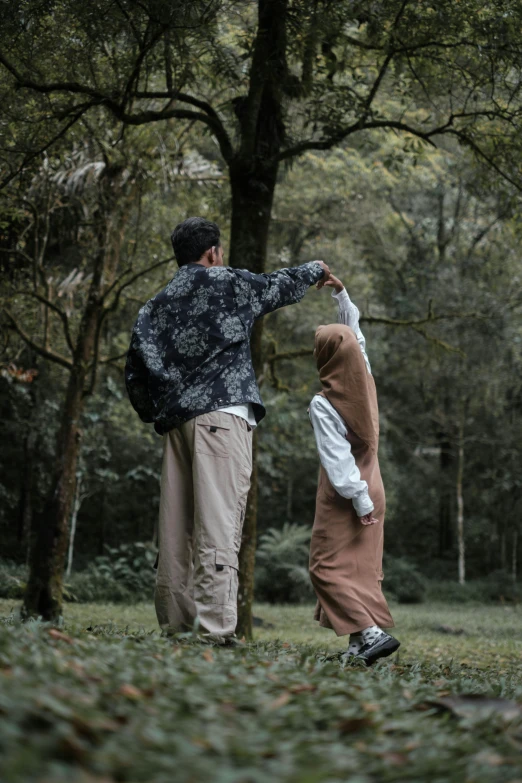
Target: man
(189, 370)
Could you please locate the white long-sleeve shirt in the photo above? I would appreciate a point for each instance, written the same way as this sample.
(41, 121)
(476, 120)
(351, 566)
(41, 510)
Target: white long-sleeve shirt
(330, 432)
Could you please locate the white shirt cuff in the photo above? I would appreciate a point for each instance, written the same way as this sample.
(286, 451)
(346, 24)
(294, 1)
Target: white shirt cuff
(362, 504)
(341, 295)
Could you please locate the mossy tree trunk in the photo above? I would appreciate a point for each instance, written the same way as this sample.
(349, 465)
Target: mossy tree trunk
(253, 177)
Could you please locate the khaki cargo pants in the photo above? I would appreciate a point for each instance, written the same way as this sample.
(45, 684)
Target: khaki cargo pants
(205, 479)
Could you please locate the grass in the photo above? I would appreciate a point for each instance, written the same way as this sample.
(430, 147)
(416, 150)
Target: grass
(105, 699)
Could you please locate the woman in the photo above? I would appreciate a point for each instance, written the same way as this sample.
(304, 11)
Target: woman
(347, 538)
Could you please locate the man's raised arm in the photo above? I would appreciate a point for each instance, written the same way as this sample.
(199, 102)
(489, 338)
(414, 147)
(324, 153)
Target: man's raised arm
(268, 292)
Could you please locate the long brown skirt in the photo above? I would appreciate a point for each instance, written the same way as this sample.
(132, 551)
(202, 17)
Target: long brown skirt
(346, 556)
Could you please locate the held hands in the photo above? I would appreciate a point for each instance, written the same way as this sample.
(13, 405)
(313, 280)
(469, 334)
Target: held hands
(326, 276)
(328, 279)
(368, 519)
(334, 282)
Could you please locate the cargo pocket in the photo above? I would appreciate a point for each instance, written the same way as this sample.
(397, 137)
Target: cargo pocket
(212, 439)
(225, 577)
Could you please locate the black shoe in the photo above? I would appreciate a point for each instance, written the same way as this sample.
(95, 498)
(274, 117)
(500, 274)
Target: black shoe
(382, 647)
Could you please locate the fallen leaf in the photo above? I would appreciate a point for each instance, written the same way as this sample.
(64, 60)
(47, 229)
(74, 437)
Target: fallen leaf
(395, 759)
(130, 691)
(305, 686)
(201, 742)
(475, 705)
(449, 630)
(281, 700)
(207, 655)
(54, 633)
(491, 759)
(368, 707)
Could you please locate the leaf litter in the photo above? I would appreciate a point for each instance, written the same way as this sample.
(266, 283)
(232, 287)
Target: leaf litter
(106, 708)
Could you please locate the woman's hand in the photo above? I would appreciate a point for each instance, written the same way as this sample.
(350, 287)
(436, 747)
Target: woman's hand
(334, 282)
(368, 519)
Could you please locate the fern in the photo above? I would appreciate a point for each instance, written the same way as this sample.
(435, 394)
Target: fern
(282, 565)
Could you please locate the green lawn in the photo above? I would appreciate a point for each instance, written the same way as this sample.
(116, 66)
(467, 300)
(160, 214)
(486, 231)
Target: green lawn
(107, 699)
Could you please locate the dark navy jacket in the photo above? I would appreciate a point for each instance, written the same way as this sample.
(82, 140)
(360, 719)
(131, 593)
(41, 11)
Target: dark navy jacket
(190, 347)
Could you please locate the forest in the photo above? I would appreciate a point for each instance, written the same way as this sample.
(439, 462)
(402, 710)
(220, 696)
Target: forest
(382, 138)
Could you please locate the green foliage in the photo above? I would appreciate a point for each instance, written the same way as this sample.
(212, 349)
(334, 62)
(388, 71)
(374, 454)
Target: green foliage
(497, 587)
(124, 574)
(13, 579)
(403, 580)
(453, 593)
(112, 701)
(415, 232)
(282, 565)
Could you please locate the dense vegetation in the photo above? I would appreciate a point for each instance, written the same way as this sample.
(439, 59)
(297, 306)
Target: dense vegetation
(106, 699)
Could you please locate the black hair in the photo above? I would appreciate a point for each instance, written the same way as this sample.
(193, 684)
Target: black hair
(192, 238)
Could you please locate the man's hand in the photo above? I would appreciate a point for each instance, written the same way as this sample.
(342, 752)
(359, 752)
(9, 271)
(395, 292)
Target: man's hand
(325, 277)
(368, 519)
(334, 282)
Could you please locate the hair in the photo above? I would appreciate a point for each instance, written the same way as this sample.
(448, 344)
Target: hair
(192, 238)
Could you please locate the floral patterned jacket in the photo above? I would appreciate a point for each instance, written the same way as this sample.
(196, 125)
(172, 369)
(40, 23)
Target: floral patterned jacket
(190, 347)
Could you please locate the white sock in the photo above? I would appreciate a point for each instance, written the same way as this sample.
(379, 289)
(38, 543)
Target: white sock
(355, 644)
(371, 634)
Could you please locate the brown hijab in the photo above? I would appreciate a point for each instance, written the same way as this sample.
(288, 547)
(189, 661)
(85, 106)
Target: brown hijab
(347, 384)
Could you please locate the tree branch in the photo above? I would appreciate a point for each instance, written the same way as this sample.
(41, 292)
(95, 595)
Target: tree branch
(466, 141)
(415, 323)
(109, 359)
(110, 308)
(61, 313)
(332, 141)
(209, 116)
(47, 353)
(82, 109)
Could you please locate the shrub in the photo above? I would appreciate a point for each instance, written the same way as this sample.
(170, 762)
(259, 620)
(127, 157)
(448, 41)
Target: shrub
(453, 593)
(499, 586)
(403, 581)
(125, 573)
(13, 579)
(282, 565)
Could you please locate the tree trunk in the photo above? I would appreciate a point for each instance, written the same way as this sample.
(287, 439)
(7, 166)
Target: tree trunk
(514, 556)
(502, 539)
(253, 175)
(446, 476)
(74, 518)
(289, 495)
(252, 196)
(460, 509)
(25, 508)
(44, 593)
